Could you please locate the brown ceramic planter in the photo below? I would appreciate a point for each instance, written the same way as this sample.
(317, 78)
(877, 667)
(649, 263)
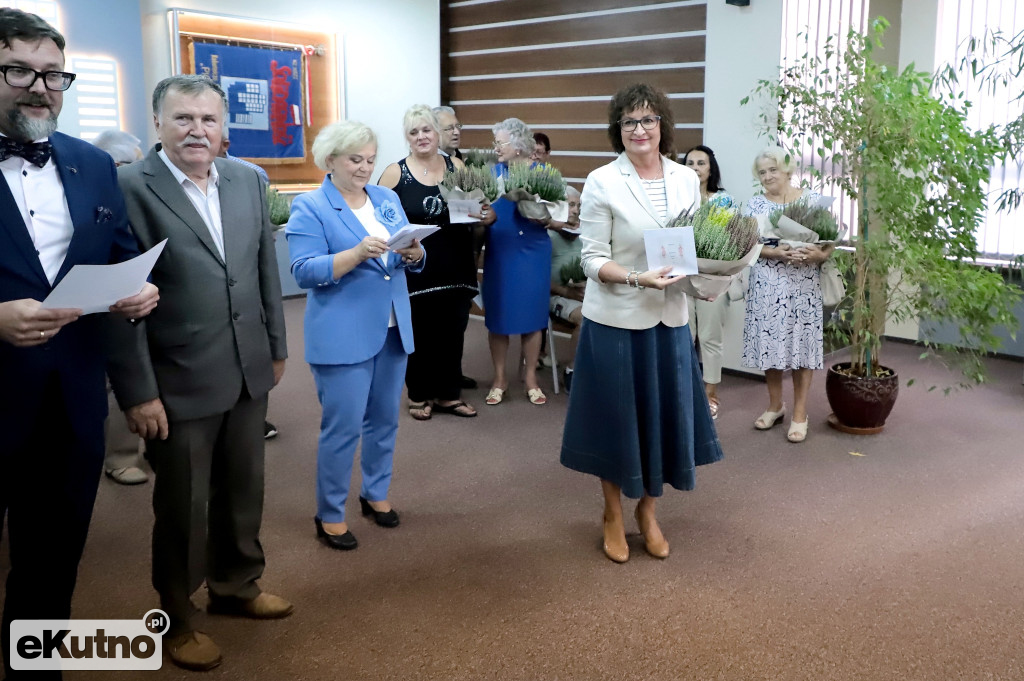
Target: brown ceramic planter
(860, 404)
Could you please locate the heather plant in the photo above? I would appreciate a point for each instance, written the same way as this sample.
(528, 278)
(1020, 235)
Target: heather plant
(479, 158)
(469, 178)
(543, 181)
(279, 207)
(815, 218)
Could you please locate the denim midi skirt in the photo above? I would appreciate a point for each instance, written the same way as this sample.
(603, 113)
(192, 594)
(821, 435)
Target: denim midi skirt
(638, 415)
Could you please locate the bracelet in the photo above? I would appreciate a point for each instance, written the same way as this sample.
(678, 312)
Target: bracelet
(630, 274)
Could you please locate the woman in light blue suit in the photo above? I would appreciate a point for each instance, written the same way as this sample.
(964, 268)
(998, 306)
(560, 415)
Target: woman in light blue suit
(358, 329)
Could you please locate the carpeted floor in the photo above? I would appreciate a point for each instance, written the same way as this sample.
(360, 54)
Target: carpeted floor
(893, 557)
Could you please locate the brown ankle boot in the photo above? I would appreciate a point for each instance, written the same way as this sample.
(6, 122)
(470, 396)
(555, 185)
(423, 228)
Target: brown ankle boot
(193, 650)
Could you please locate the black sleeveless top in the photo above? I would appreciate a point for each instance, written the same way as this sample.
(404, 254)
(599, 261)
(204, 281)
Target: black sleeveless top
(450, 265)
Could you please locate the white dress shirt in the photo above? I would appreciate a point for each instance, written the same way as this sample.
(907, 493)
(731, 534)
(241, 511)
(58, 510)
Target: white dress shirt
(368, 217)
(39, 194)
(207, 204)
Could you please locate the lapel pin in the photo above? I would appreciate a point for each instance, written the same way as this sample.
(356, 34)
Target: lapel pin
(73, 170)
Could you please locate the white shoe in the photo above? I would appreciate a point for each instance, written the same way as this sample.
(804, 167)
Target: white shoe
(131, 475)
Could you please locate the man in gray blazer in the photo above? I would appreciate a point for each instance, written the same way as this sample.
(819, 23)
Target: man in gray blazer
(194, 380)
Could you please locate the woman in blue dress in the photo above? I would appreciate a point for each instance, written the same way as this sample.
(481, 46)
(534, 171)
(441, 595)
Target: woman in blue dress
(517, 269)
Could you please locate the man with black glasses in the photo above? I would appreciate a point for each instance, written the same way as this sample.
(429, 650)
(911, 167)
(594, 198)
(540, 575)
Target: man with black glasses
(60, 206)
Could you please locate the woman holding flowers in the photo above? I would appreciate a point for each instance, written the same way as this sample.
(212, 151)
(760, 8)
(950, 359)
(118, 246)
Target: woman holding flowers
(783, 326)
(638, 416)
(517, 263)
(440, 295)
(709, 315)
(358, 331)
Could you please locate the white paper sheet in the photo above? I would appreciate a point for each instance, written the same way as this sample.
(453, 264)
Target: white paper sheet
(403, 237)
(459, 210)
(826, 201)
(94, 288)
(671, 246)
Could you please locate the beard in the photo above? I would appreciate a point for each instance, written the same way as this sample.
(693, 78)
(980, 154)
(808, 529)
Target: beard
(30, 129)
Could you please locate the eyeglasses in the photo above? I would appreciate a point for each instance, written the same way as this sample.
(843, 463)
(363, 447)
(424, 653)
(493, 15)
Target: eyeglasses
(499, 145)
(20, 76)
(648, 123)
(453, 128)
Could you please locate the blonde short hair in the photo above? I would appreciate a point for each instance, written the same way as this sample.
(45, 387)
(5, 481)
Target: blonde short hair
(343, 137)
(420, 113)
(783, 159)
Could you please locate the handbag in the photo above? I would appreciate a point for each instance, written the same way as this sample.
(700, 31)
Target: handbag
(833, 289)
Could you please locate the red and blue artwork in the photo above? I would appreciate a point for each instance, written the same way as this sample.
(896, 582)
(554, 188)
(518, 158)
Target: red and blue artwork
(264, 89)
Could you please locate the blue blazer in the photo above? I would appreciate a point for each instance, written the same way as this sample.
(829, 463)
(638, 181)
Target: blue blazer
(346, 319)
(72, 362)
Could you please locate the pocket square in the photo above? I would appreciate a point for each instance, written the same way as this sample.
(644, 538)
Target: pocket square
(104, 214)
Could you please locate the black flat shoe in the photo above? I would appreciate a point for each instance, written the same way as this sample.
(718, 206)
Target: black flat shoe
(388, 519)
(342, 542)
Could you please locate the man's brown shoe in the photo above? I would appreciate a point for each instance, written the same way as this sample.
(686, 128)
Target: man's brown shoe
(194, 650)
(263, 607)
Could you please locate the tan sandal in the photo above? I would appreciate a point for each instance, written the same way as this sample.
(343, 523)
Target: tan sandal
(797, 431)
(420, 410)
(536, 396)
(713, 405)
(495, 396)
(768, 419)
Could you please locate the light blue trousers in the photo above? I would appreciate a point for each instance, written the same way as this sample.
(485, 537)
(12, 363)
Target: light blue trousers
(360, 402)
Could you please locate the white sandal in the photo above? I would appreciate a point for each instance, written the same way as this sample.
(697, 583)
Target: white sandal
(768, 419)
(797, 431)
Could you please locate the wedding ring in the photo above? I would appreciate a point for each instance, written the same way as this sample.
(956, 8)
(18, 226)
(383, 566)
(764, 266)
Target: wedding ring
(42, 334)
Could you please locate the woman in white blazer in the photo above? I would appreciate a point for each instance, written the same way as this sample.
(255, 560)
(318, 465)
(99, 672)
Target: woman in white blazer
(358, 328)
(638, 416)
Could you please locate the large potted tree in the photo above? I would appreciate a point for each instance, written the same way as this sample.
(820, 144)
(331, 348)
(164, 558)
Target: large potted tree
(917, 171)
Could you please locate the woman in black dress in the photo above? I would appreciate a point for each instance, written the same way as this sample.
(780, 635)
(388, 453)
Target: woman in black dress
(440, 294)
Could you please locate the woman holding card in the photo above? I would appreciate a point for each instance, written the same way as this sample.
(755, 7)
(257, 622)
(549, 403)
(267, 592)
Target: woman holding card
(783, 326)
(358, 331)
(638, 416)
(440, 294)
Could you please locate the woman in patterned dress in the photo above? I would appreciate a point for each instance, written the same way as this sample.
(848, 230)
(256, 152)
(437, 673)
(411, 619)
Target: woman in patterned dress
(783, 325)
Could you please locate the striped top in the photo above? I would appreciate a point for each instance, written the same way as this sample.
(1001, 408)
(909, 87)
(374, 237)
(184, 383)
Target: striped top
(659, 198)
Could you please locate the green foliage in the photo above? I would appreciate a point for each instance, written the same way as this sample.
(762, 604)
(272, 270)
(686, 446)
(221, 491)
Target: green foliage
(719, 233)
(481, 158)
(544, 181)
(919, 174)
(469, 178)
(993, 62)
(572, 272)
(815, 218)
(279, 206)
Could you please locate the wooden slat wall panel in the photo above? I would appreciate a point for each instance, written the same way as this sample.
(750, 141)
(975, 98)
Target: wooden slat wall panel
(625, 25)
(577, 140)
(472, 15)
(489, 87)
(689, 79)
(541, 113)
(659, 51)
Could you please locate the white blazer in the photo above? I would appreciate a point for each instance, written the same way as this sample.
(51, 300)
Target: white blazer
(615, 212)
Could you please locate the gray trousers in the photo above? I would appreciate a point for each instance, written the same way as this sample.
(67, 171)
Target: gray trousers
(123, 447)
(208, 506)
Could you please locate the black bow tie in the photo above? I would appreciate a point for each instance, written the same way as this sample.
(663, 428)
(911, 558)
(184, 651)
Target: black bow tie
(36, 153)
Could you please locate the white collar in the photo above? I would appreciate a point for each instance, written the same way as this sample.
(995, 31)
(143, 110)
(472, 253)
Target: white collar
(180, 176)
